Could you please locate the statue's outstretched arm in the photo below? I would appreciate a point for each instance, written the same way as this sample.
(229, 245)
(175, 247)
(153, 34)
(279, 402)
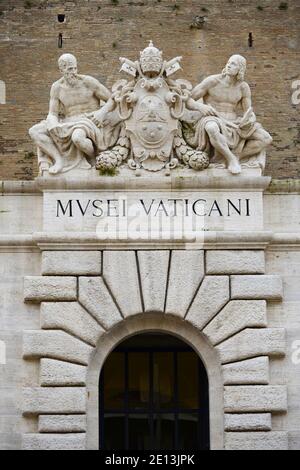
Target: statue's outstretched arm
(204, 109)
(102, 92)
(203, 88)
(99, 117)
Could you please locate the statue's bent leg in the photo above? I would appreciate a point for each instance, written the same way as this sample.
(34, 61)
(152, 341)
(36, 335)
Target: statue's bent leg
(83, 143)
(42, 139)
(258, 142)
(218, 141)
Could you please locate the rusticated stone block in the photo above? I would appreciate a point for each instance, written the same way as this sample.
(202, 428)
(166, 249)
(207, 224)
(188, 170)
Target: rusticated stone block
(121, 274)
(256, 441)
(39, 289)
(256, 287)
(72, 318)
(96, 298)
(66, 400)
(248, 422)
(235, 262)
(54, 442)
(55, 345)
(244, 399)
(62, 423)
(59, 373)
(186, 274)
(211, 297)
(66, 263)
(236, 316)
(154, 274)
(252, 343)
(250, 372)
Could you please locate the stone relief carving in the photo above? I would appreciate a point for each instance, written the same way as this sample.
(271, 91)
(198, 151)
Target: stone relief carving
(151, 121)
(151, 106)
(226, 135)
(69, 137)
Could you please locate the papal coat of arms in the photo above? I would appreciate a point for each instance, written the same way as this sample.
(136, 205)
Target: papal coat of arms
(151, 106)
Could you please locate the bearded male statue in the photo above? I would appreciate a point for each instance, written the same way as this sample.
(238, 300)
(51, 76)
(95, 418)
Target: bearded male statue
(69, 137)
(231, 132)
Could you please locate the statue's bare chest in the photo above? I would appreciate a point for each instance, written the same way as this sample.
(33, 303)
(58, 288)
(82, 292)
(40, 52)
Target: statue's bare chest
(76, 96)
(224, 94)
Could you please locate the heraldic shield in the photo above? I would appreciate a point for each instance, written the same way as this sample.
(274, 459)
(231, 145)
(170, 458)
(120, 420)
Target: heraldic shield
(151, 127)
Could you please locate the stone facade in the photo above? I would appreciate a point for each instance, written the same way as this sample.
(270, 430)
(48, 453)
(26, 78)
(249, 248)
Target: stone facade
(232, 295)
(222, 324)
(101, 247)
(29, 32)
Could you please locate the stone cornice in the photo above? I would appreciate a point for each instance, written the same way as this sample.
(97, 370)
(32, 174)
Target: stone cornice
(276, 186)
(209, 180)
(210, 240)
(285, 186)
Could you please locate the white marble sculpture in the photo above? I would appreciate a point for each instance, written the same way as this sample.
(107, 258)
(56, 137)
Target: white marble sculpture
(69, 137)
(151, 106)
(151, 121)
(226, 135)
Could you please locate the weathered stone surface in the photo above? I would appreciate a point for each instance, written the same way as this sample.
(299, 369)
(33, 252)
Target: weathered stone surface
(243, 399)
(256, 441)
(72, 318)
(236, 316)
(186, 274)
(211, 297)
(154, 274)
(53, 442)
(96, 298)
(121, 274)
(252, 343)
(62, 423)
(71, 263)
(39, 289)
(256, 287)
(55, 345)
(58, 374)
(235, 262)
(248, 422)
(252, 371)
(54, 400)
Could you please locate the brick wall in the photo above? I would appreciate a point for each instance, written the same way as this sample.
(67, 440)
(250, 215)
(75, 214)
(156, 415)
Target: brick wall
(99, 31)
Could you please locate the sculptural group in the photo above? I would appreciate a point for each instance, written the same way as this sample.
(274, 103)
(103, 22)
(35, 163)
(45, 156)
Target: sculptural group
(150, 121)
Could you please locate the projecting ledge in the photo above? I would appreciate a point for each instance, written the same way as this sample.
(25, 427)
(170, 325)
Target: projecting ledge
(208, 240)
(214, 179)
(201, 240)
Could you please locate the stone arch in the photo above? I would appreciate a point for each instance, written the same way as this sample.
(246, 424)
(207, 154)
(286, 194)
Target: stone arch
(92, 299)
(158, 323)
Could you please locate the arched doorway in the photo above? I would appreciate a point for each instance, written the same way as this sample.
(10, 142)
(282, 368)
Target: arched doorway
(153, 395)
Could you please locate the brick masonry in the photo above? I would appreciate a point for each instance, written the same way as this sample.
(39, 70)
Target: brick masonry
(100, 31)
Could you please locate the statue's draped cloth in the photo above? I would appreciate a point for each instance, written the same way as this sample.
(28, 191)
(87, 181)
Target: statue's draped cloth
(236, 133)
(102, 138)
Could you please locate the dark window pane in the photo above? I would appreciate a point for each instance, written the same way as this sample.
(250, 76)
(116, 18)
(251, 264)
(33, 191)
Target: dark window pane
(139, 432)
(139, 388)
(114, 382)
(163, 380)
(114, 432)
(188, 425)
(164, 432)
(188, 380)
